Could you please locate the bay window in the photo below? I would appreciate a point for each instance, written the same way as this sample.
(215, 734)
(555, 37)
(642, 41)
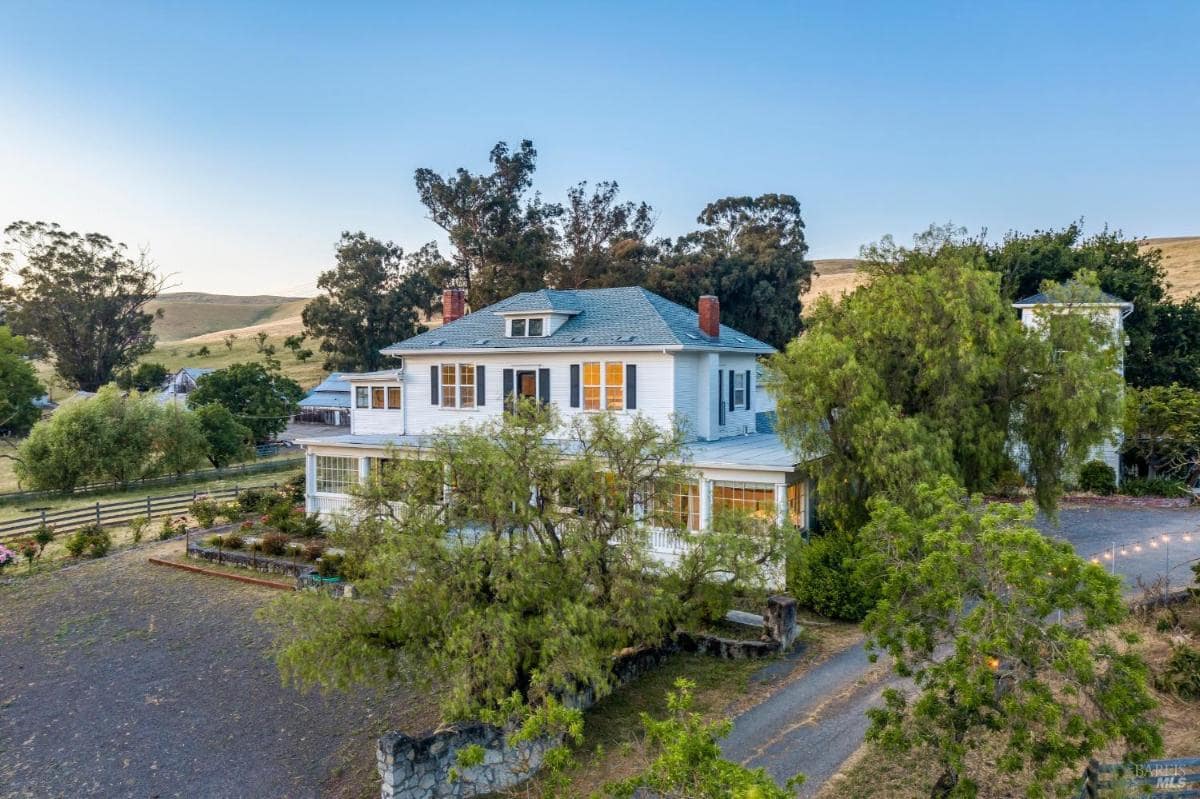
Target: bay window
(757, 499)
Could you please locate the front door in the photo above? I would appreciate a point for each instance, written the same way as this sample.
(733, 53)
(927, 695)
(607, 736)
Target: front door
(527, 385)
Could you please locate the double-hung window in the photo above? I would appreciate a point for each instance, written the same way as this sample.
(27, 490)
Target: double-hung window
(460, 382)
(739, 389)
(449, 385)
(377, 398)
(395, 398)
(591, 386)
(603, 385)
(614, 385)
(757, 499)
(534, 326)
(466, 385)
(362, 397)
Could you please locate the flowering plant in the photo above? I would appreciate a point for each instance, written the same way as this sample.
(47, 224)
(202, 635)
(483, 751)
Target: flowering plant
(7, 556)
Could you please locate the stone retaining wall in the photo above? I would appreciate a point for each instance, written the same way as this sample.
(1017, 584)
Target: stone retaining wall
(249, 560)
(427, 767)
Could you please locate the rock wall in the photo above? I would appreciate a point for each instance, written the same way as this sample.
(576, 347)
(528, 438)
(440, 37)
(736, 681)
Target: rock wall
(427, 767)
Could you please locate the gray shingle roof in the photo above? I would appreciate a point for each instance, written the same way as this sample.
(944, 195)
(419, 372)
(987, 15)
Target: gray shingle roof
(619, 317)
(1042, 298)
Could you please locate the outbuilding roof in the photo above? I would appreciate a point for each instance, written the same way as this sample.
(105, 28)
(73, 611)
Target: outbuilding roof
(598, 318)
(1101, 298)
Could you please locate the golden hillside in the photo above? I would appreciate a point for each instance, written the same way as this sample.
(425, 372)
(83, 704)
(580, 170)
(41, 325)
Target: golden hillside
(189, 314)
(1181, 259)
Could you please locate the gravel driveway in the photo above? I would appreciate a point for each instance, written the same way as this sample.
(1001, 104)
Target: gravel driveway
(119, 678)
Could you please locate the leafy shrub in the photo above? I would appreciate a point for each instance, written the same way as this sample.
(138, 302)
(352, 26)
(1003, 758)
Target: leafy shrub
(230, 512)
(7, 556)
(313, 551)
(234, 541)
(329, 565)
(171, 527)
(29, 550)
(215, 541)
(43, 535)
(689, 761)
(1008, 482)
(205, 511)
(91, 539)
(310, 526)
(274, 544)
(295, 487)
(1097, 477)
(251, 500)
(1181, 674)
(137, 527)
(824, 576)
(1154, 487)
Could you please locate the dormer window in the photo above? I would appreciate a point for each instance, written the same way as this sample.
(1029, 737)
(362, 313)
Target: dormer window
(525, 327)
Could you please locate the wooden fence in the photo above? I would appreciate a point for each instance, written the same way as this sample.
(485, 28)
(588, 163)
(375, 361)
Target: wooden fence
(236, 470)
(115, 513)
(1156, 779)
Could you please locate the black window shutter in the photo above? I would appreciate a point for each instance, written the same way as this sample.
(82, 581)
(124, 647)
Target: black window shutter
(544, 386)
(574, 385)
(747, 389)
(731, 382)
(480, 385)
(508, 389)
(434, 389)
(631, 386)
(720, 397)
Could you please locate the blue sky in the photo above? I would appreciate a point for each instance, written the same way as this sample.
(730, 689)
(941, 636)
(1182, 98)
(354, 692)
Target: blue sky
(236, 140)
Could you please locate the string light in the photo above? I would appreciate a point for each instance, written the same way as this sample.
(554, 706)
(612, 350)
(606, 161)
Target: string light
(1153, 544)
(1166, 538)
(1129, 548)
(1137, 547)
(1108, 556)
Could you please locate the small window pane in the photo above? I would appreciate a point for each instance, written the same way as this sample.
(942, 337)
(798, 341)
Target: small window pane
(518, 327)
(535, 327)
(449, 386)
(591, 386)
(685, 505)
(614, 382)
(377, 398)
(362, 396)
(739, 389)
(394, 398)
(466, 388)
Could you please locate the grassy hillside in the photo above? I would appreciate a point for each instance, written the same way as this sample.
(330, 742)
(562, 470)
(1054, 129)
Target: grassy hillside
(177, 354)
(188, 314)
(1181, 258)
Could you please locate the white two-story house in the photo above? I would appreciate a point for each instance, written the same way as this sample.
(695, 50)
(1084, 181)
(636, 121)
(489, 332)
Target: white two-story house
(622, 350)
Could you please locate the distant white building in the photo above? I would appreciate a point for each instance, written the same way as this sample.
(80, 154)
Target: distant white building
(621, 350)
(1115, 310)
(328, 403)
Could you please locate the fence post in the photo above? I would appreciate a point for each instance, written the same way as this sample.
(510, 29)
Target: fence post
(148, 509)
(97, 513)
(43, 517)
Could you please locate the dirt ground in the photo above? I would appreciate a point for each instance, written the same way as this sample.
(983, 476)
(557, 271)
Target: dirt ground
(121, 678)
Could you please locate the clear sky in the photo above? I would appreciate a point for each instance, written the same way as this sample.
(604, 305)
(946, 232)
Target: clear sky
(238, 139)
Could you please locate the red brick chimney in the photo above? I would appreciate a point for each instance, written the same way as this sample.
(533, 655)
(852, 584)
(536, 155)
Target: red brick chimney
(454, 303)
(709, 309)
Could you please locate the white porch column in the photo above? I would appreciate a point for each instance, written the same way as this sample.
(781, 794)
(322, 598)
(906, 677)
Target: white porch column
(310, 481)
(781, 508)
(705, 504)
(364, 470)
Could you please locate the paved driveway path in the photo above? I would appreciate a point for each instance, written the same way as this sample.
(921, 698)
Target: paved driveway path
(119, 678)
(815, 723)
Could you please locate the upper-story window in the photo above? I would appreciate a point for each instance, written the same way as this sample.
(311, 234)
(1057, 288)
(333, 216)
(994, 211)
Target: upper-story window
(603, 385)
(526, 327)
(739, 389)
(458, 385)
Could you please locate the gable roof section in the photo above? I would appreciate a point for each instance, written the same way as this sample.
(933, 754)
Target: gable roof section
(1042, 298)
(197, 372)
(332, 392)
(600, 318)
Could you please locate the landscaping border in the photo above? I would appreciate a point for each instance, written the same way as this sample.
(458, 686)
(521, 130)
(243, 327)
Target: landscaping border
(241, 578)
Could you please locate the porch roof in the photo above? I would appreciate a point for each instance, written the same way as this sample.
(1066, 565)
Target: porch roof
(757, 451)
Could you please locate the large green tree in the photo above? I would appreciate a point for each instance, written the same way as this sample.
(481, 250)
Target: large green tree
(603, 242)
(226, 439)
(926, 371)
(1163, 334)
(81, 299)
(502, 239)
(371, 299)
(1162, 430)
(525, 582)
(109, 437)
(260, 397)
(19, 386)
(1008, 637)
(751, 255)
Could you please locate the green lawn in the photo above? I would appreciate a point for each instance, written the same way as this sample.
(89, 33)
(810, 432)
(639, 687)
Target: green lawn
(175, 355)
